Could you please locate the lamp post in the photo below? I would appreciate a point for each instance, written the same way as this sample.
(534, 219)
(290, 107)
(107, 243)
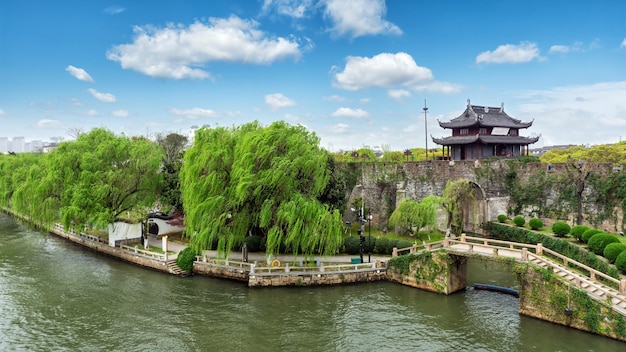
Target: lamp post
(425, 128)
(369, 236)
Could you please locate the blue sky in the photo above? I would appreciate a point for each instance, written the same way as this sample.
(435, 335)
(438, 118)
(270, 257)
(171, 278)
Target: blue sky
(354, 72)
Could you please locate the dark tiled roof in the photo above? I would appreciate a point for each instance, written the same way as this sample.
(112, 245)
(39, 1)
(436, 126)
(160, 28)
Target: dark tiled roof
(484, 116)
(457, 140)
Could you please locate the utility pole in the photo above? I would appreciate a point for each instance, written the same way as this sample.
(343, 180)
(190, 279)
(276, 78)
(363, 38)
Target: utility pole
(426, 128)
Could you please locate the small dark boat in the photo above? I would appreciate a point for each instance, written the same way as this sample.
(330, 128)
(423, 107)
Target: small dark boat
(500, 289)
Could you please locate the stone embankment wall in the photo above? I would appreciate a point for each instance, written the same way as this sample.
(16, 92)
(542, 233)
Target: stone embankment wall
(435, 271)
(545, 297)
(317, 279)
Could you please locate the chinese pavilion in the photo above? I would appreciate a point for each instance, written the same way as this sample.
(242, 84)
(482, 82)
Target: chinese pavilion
(484, 131)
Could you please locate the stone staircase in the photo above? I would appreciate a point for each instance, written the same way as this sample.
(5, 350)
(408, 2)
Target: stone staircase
(173, 268)
(594, 288)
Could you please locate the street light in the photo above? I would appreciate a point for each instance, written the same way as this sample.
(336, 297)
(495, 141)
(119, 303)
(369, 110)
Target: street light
(425, 128)
(369, 239)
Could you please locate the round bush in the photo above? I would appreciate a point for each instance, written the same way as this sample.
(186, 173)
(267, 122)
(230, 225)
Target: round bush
(390, 245)
(620, 262)
(403, 244)
(185, 259)
(352, 244)
(612, 250)
(535, 223)
(588, 234)
(578, 230)
(381, 245)
(598, 241)
(519, 221)
(502, 218)
(560, 229)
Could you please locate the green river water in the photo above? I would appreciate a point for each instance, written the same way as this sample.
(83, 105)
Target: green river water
(56, 296)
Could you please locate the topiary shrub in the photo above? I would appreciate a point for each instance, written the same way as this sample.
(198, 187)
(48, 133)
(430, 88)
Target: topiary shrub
(535, 223)
(598, 241)
(519, 221)
(381, 245)
(502, 218)
(185, 259)
(612, 250)
(560, 229)
(403, 244)
(352, 244)
(588, 234)
(391, 244)
(577, 231)
(620, 262)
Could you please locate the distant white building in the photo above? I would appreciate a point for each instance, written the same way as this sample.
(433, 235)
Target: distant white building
(4, 145)
(18, 145)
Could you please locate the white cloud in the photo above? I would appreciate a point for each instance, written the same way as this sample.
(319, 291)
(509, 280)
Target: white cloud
(47, 123)
(398, 94)
(2, 112)
(177, 51)
(335, 98)
(623, 45)
(291, 8)
(114, 10)
(120, 113)
(350, 113)
(383, 70)
(365, 101)
(590, 114)
(105, 97)
(564, 49)
(438, 87)
(194, 113)
(339, 128)
(510, 53)
(79, 73)
(278, 100)
(357, 18)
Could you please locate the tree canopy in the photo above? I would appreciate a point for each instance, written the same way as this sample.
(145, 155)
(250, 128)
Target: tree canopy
(412, 214)
(259, 180)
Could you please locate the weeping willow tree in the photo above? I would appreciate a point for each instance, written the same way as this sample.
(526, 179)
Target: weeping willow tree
(412, 214)
(455, 195)
(258, 180)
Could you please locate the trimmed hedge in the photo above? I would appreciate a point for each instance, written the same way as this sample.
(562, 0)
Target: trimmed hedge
(620, 262)
(519, 221)
(560, 228)
(535, 223)
(612, 250)
(352, 244)
(382, 245)
(598, 241)
(502, 218)
(577, 231)
(561, 246)
(588, 234)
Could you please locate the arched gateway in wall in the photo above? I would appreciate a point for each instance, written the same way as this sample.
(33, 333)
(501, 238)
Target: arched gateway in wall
(474, 209)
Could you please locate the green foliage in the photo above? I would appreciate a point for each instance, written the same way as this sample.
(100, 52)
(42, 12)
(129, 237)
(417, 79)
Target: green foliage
(612, 250)
(560, 228)
(598, 241)
(614, 153)
(403, 244)
(588, 234)
(577, 231)
(620, 262)
(186, 258)
(455, 195)
(352, 244)
(259, 180)
(519, 221)
(502, 218)
(413, 214)
(535, 223)
(559, 245)
(254, 242)
(382, 245)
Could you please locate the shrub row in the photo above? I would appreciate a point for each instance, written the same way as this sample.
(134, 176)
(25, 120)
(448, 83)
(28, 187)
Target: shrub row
(382, 245)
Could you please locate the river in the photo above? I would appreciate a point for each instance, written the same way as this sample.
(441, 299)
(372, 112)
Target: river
(56, 296)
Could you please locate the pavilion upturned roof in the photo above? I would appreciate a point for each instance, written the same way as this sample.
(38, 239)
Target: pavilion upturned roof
(485, 139)
(484, 116)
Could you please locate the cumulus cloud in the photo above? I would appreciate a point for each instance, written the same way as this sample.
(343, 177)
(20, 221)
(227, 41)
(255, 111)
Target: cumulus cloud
(383, 70)
(178, 52)
(47, 123)
(105, 97)
(79, 73)
(398, 94)
(590, 114)
(120, 113)
(350, 113)
(194, 113)
(510, 53)
(357, 18)
(278, 100)
(291, 8)
(564, 49)
(339, 128)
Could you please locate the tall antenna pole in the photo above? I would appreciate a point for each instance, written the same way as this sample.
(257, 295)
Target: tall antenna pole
(426, 128)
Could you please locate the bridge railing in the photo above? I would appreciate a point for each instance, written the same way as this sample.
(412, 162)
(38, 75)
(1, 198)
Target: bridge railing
(321, 269)
(491, 243)
(417, 248)
(223, 263)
